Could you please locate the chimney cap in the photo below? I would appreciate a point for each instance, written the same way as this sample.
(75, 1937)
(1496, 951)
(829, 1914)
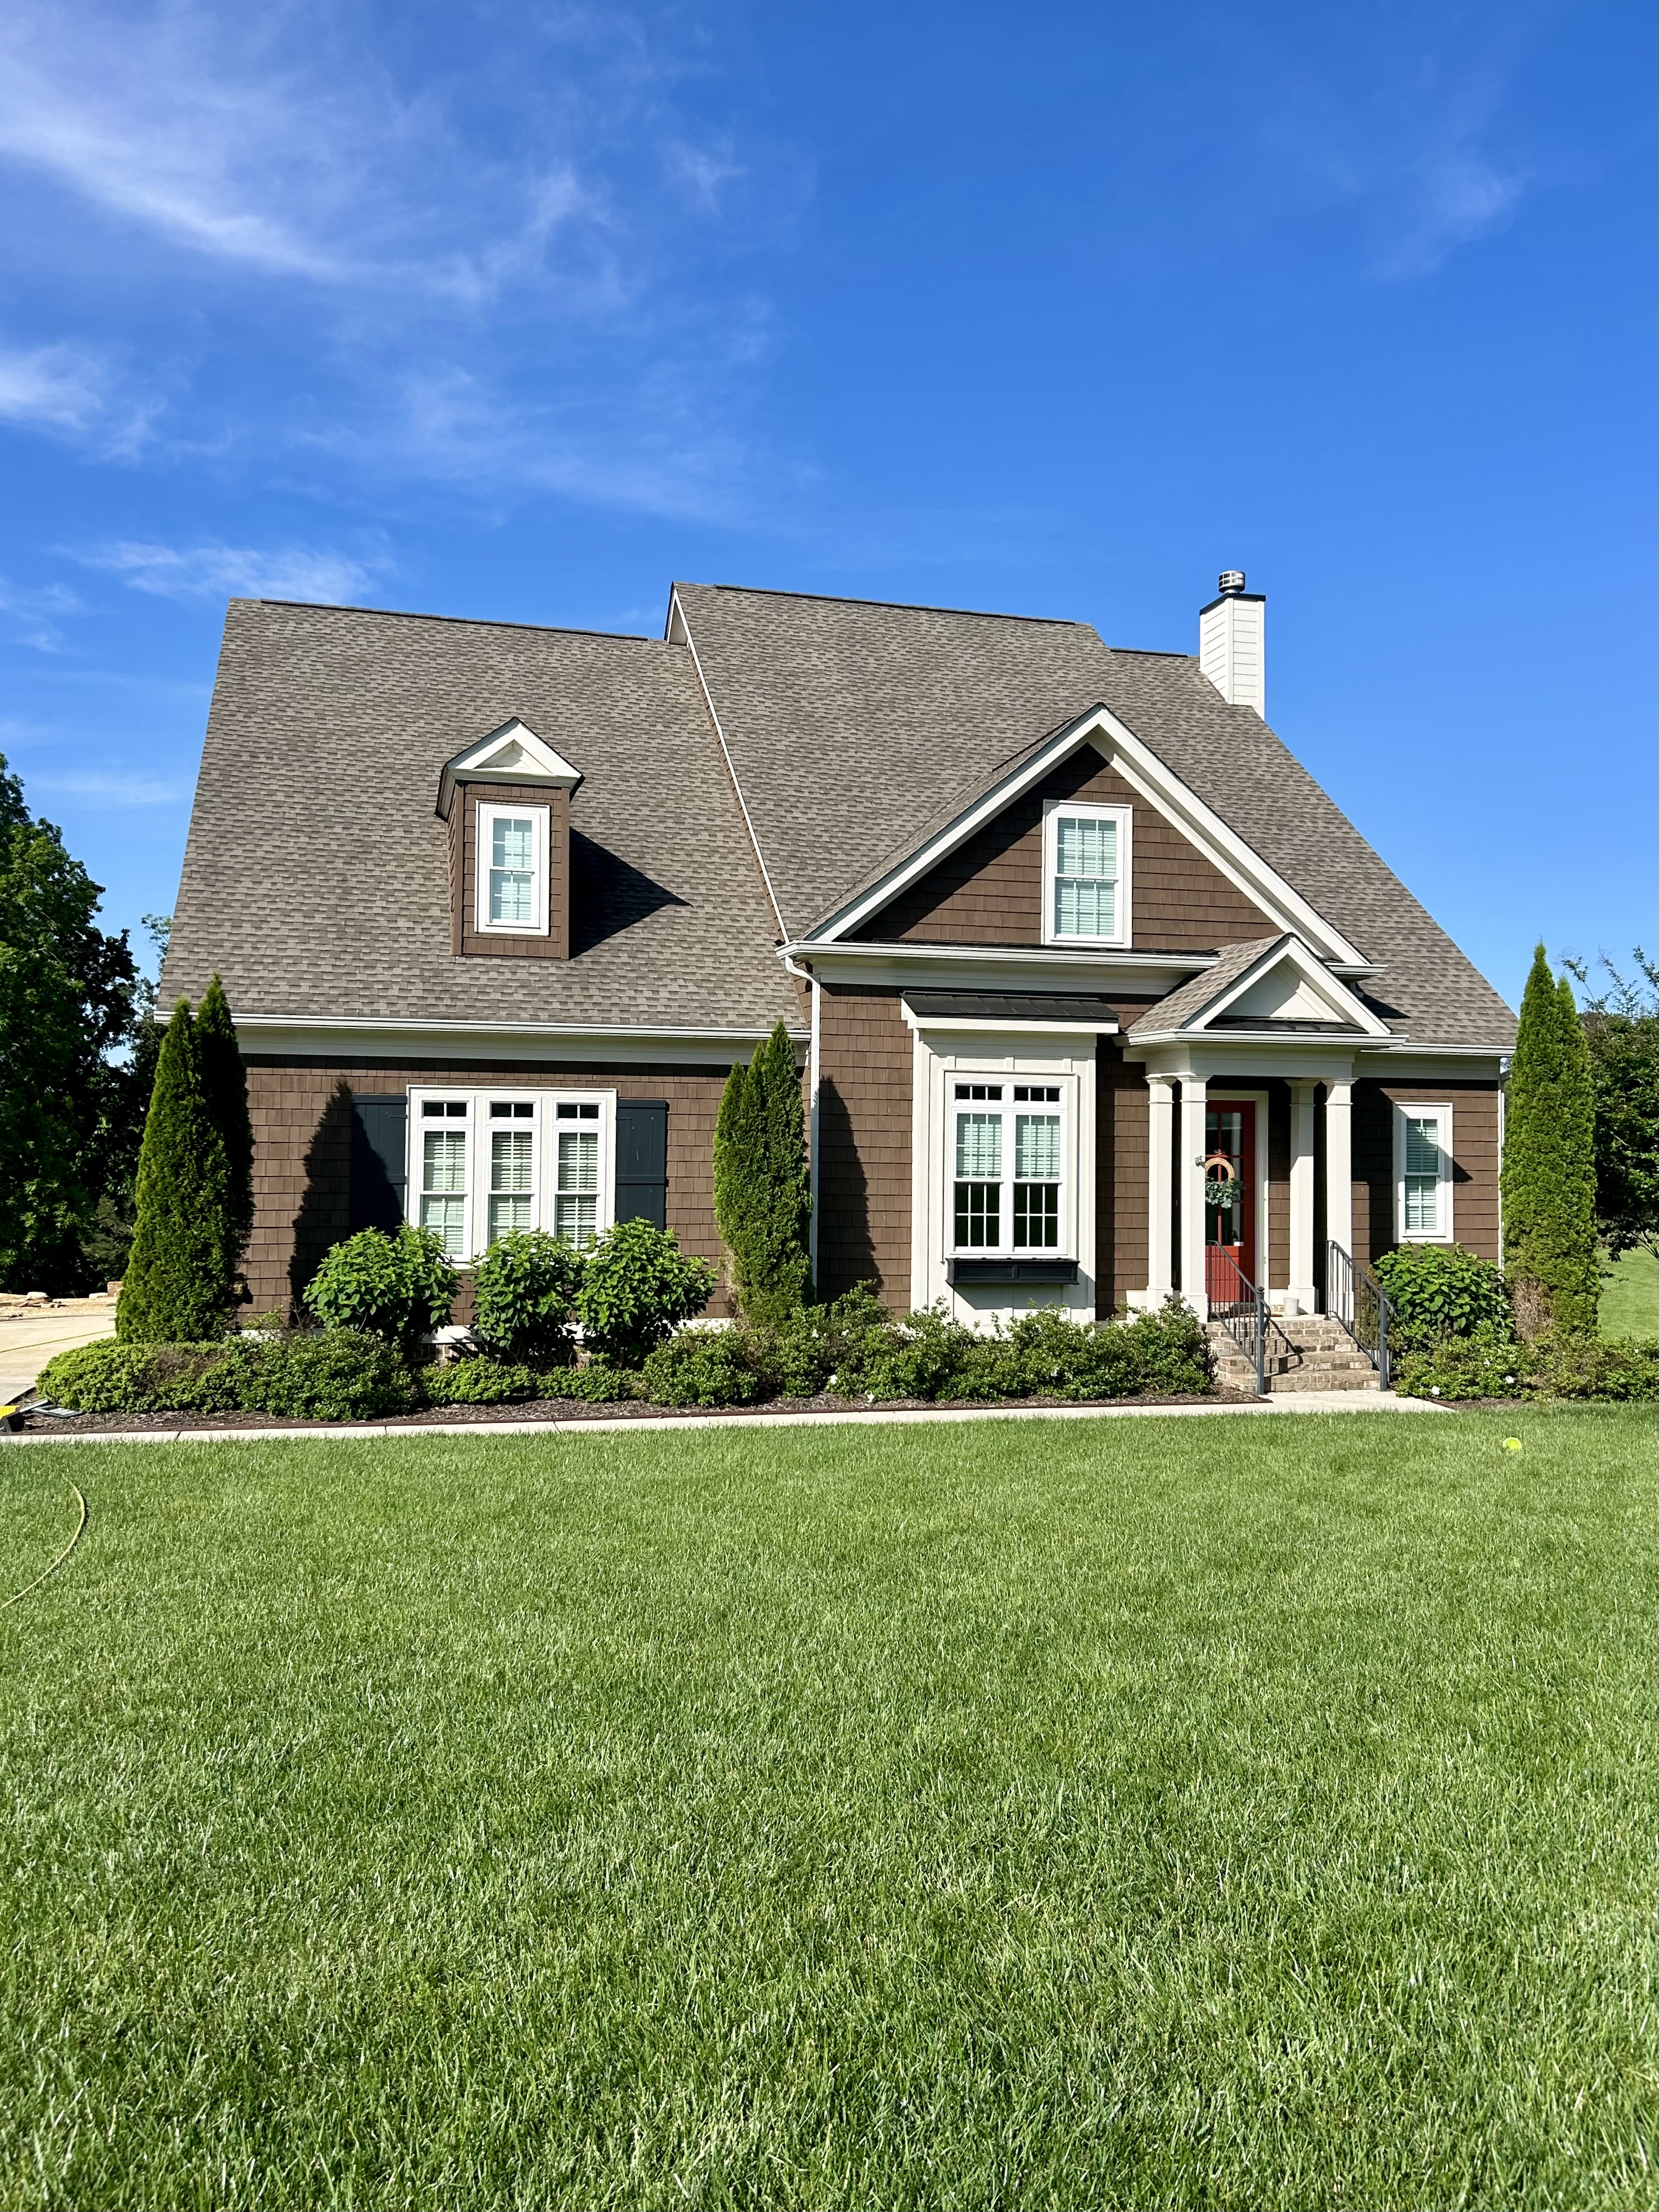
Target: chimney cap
(1229, 581)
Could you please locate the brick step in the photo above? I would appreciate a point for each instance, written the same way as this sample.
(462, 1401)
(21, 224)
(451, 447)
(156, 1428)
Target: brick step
(1242, 1376)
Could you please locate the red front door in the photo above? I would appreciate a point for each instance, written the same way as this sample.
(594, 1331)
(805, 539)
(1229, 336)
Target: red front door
(1228, 1192)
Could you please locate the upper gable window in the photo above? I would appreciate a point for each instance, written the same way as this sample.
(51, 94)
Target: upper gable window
(512, 870)
(1086, 873)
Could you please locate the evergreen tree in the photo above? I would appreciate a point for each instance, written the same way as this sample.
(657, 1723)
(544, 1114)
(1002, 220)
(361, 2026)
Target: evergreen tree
(224, 1080)
(763, 1194)
(177, 1287)
(1548, 1174)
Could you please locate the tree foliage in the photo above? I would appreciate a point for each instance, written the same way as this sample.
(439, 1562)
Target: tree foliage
(225, 1081)
(1548, 1175)
(763, 1194)
(1621, 1032)
(66, 1004)
(178, 1284)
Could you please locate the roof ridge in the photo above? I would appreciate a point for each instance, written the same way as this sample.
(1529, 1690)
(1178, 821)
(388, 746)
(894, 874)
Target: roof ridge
(468, 622)
(902, 606)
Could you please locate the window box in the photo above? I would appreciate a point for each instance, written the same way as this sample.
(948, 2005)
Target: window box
(963, 1270)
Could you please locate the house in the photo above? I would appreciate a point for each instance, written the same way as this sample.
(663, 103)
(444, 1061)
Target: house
(1097, 994)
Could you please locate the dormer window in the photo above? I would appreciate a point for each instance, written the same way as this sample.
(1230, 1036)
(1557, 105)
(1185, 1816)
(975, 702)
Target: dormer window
(512, 869)
(1085, 867)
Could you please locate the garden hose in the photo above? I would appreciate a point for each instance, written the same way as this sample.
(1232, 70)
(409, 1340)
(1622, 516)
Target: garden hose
(80, 1501)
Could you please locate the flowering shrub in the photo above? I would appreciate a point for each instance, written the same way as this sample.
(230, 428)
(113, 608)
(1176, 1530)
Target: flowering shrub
(523, 1292)
(394, 1287)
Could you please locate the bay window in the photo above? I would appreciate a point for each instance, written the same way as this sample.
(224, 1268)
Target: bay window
(1008, 1167)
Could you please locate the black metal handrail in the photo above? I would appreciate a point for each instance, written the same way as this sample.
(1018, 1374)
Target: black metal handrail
(1355, 1297)
(1241, 1307)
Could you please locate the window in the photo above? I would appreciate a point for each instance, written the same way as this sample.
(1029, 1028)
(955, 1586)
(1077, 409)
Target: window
(1085, 854)
(490, 1164)
(512, 861)
(1008, 1177)
(1423, 1173)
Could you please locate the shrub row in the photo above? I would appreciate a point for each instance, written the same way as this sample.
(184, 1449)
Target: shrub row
(1489, 1363)
(853, 1347)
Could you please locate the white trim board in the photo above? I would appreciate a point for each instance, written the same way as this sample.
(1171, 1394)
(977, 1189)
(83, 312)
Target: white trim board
(1150, 779)
(345, 1037)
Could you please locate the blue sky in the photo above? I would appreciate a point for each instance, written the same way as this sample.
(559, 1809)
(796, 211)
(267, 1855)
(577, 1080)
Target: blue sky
(520, 312)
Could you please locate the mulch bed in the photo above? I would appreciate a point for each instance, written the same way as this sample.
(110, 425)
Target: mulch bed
(577, 1409)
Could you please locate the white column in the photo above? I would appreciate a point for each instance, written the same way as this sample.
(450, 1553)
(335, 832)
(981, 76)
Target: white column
(1338, 1165)
(1160, 1169)
(1299, 1291)
(1193, 1089)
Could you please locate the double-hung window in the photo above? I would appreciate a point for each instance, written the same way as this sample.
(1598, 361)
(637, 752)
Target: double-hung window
(1085, 871)
(1008, 1152)
(512, 870)
(1423, 1173)
(485, 1164)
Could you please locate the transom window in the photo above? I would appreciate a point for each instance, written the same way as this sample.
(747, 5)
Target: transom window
(512, 864)
(487, 1165)
(1086, 873)
(1423, 1172)
(1007, 1184)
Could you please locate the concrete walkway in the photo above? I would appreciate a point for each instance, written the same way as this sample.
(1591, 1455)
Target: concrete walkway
(1312, 1401)
(32, 1333)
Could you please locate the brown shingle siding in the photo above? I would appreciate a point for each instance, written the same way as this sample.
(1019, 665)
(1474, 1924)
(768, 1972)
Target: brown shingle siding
(990, 891)
(1474, 1162)
(864, 1143)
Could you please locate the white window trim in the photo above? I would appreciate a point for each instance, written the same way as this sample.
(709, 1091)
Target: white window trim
(1087, 810)
(476, 1125)
(489, 812)
(1009, 1106)
(1420, 1110)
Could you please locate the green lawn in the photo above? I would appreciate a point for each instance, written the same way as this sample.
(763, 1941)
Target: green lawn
(1146, 1812)
(1630, 1297)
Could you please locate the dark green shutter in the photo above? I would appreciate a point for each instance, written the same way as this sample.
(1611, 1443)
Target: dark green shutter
(380, 1153)
(643, 1160)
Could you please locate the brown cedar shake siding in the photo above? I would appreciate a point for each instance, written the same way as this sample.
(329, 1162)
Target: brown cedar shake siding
(303, 1151)
(1474, 1162)
(864, 1143)
(990, 891)
(465, 936)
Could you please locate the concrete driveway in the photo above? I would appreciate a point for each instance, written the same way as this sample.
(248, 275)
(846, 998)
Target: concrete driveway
(34, 1332)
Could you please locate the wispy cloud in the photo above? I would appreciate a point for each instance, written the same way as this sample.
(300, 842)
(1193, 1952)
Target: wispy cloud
(59, 385)
(114, 788)
(213, 572)
(31, 617)
(1455, 199)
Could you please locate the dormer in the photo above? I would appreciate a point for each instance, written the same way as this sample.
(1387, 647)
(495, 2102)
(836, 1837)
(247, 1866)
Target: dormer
(506, 801)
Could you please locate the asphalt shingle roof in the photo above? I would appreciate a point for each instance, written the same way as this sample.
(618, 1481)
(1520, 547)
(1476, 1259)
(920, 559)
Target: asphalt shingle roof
(856, 728)
(315, 876)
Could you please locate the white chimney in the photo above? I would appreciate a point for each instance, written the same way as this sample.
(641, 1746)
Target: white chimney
(1230, 642)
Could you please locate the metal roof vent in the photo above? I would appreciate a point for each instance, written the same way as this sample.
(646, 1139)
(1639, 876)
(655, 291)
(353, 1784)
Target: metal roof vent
(1229, 580)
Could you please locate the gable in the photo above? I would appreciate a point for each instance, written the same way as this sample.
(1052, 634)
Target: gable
(990, 891)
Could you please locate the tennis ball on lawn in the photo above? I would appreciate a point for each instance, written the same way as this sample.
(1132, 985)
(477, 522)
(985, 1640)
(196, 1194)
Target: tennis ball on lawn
(1511, 1444)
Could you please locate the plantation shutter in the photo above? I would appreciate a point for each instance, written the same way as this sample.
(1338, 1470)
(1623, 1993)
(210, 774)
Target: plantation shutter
(380, 1153)
(643, 1160)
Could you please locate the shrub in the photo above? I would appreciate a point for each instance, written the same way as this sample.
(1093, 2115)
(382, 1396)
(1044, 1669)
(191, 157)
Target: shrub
(1570, 1366)
(637, 1286)
(1486, 1362)
(762, 1191)
(393, 1287)
(1547, 1176)
(336, 1374)
(177, 1286)
(1561, 1365)
(827, 1347)
(224, 1085)
(482, 1381)
(596, 1384)
(524, 1292)
(140, 1378)
(1436, 1291)
(704, 1367)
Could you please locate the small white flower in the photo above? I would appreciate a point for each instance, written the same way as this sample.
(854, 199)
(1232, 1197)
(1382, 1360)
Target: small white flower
(1434, 1390)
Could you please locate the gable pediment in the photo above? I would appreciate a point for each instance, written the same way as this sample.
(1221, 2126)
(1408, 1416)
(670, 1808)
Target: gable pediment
(1277, 988)
(511, 754)
(978, 877)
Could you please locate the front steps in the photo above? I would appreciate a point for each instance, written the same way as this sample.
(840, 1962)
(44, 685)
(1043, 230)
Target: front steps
(1305, 1352)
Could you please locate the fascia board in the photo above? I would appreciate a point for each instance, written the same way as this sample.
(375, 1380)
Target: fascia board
(341, 1035)
(475, 764)
(971, 1025)
(1159, 786)
(1313, 971)
(1029, 956)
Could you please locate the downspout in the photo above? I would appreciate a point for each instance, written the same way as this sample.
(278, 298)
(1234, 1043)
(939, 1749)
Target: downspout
(805, 976)
(1503, 1120)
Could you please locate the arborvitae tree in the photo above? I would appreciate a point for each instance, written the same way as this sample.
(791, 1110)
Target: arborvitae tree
(224, 1080)
(763, 1195)
(1548, 1177)
(177, 1287)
